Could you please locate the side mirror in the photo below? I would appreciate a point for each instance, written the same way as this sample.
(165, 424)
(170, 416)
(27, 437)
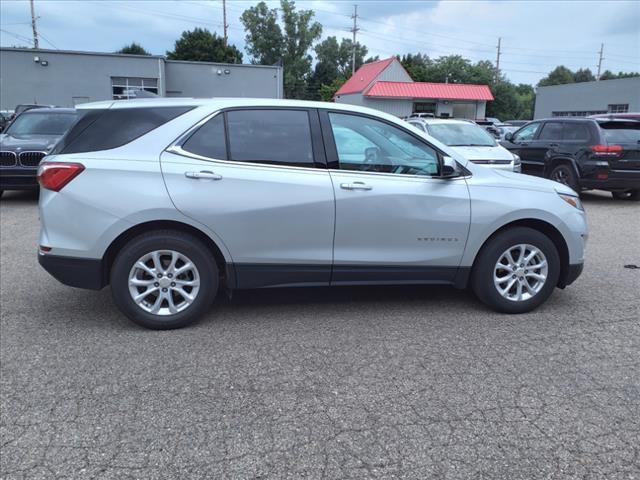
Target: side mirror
(450, 168)
(509, 137)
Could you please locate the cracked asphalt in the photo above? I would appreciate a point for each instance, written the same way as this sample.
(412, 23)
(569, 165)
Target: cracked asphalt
(402, 382)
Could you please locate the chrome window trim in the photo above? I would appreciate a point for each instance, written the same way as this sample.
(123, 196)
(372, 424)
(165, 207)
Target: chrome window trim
(178, 150)
(399, 176)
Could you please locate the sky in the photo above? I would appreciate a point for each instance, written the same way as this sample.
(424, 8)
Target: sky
(535, 35)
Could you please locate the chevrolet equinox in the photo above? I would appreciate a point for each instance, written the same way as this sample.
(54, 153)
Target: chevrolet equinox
(170, 200)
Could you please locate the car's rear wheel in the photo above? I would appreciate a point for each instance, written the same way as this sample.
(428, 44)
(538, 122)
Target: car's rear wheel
(164, 279)
(633, 195)
(566, 175)
(516, 271)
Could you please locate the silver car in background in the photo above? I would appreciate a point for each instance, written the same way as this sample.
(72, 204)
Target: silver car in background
(469, 140)
(185, 197)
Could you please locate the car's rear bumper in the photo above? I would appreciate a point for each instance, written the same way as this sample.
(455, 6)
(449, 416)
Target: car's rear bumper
(85, 273)
(616, 180)
(18, 178)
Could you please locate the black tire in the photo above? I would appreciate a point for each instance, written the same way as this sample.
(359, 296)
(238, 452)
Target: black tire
(632, 195)
(483, 269)
(565, 174)
(182, 243)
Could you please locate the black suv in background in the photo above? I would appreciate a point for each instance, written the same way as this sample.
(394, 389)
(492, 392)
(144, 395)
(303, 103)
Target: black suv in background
(583, 153)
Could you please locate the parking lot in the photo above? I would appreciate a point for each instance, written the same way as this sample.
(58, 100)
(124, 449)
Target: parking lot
(384, 382)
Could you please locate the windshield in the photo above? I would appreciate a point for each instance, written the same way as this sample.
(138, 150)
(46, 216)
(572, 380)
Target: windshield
(41, 123)
(461, 134)
(621, 132)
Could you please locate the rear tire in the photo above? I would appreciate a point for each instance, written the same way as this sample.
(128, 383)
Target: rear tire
(492, 267)
(632, 195)
(173, 276)
(565, 174)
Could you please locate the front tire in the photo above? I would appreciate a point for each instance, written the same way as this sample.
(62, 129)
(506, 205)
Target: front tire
(632, 195)
(516, 270)
(164, 279)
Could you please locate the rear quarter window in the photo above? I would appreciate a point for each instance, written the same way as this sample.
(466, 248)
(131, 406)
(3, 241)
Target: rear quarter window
(106, 129)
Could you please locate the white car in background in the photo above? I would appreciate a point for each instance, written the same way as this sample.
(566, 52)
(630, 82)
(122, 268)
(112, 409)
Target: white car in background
(469, 140)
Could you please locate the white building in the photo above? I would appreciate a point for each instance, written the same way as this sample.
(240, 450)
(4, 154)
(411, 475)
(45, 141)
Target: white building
(385, 85)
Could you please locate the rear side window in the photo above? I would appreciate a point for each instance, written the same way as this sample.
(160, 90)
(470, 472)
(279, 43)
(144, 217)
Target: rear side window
(270, 136)
(209, 140)
(551, 131)
(575, 132)
(106, 129)
(621, 132)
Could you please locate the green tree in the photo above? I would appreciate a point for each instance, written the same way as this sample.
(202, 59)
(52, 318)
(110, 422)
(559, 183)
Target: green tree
(417, 65)
(558, 76)
(609, 75)
(505, 103)
(268, 41)
(526, 97)
(583, 75)
(133, 49)
(201, 45)
(328, 91)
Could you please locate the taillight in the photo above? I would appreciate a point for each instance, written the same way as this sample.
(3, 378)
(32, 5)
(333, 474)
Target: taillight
(55, 175)
(607, 150)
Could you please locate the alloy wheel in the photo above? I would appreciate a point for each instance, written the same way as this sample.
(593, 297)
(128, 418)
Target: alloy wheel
(164, 282)
(520, 272)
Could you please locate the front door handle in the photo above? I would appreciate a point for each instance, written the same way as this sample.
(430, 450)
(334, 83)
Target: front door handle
(204, 175)
(355, 186)
(553, 145)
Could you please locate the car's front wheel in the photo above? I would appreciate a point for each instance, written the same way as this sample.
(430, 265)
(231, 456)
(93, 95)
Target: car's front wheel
(633, 195)
(516, 271)
(164, 279)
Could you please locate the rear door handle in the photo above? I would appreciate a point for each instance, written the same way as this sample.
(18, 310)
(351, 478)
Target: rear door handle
(355, 186)
(204, 175)
(553, 145)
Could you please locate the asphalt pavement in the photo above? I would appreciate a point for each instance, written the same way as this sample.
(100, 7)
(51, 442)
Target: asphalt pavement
(385, 382)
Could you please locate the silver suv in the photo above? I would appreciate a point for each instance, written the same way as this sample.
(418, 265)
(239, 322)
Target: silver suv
(171, 200)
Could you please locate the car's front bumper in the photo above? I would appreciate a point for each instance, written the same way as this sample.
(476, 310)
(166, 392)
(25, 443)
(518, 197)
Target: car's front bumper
(85, 273)
(18, 178)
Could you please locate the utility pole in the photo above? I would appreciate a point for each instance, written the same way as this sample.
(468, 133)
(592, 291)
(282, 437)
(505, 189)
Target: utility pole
(224, 20)
(354, 30)
(498, 59)
(600, 60)
(33, 25)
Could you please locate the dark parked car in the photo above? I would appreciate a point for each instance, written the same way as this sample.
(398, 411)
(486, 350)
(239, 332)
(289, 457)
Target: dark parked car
(583, 153)
(27, 139)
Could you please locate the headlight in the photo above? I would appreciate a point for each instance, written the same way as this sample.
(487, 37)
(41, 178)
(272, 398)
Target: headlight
(571, 200)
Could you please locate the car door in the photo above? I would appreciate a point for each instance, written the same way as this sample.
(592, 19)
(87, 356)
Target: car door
(397, 220)
(257, 178)
(549, 138)
(523, 143)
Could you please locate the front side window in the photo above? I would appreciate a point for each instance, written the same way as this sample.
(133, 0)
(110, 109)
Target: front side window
(209, 140)
(41, 123)
(461, 134)
(270, 136)
(365, 144)
(526, 134)
(551, 131)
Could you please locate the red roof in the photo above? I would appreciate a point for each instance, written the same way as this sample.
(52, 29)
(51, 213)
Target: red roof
(366, 74)
(449, 91)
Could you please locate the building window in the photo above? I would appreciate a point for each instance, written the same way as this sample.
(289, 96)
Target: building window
(619, 108)
(424, 107)
(583, 113)
(124, 88)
